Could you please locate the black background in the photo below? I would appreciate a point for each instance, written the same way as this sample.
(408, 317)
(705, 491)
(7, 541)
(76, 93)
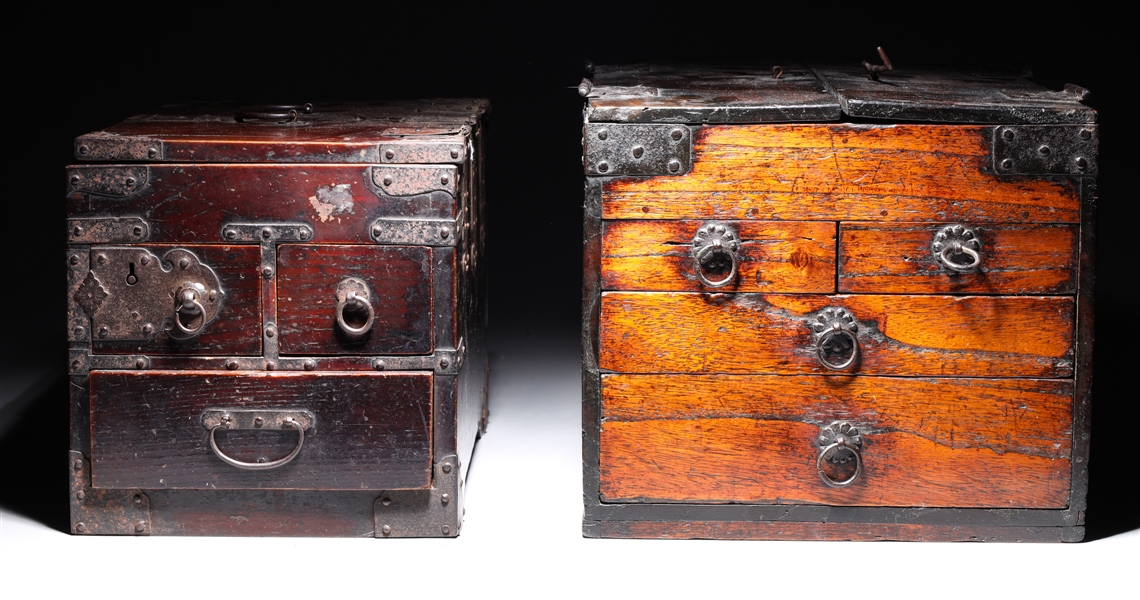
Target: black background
(74, 70)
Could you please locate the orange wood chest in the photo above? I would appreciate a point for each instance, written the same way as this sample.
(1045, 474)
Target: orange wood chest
(836, 304)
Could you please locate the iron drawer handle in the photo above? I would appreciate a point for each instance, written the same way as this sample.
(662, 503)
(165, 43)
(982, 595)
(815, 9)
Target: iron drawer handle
(272, 113)
(216, 419)
(831, 324)
(352, 295)
(188, 304)
(834, 439)
(957, 240)
(715, 239)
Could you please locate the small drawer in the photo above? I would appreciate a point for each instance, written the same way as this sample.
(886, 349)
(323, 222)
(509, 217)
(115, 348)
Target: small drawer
(838, 440)
(937, 258)
(983, 336)
(133, 295)
(745, 256)
(335, 299)
(228, 430)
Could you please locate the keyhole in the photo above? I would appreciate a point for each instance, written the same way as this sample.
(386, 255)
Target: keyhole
(131, 278)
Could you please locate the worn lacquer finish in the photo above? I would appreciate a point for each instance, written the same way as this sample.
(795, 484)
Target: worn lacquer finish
(843, 172)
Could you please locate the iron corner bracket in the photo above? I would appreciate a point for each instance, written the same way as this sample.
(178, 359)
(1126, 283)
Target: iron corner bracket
(1045, 150)
(106, 512)
(434, 512)
(620, 149)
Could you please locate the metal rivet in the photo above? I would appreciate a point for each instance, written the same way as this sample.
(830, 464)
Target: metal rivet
(79, 331)
(130, 182)
(140, 363)
(1008, 134)
(443, 363)
(603, 166)
(1007, 164)
(212, 296)
(266, 233)
(676, 134)
(103, 331)
(148, 329)
(74, 259)
(84, 149)
(258, 421)
(444, 499)
(270, 331)
(74, 365)
(387, 180)
(78, 464)
(443, 233)
(101, 259)
(152, 152)
(267, 272)
(140, 526)
(1044, 150)
(231, 364)
(443, 180)
(446, 467)
(80, 527)
(638, 151)
(138, 499)
(388, 154)
(378, 364)
(1086, 134)
(184, 263)
(78, 231)
(138, 230)
(377, 230)
(386, 530)
(454, 153)
(309, 365)
(81, 494)
(1080, 459)
(74, 180)
(304, 233)
(1082, 164)
(674, 165)
(270, 365)
(603, 134)
(231, 234)
(446, 530)
(144, 259)
(386, 501)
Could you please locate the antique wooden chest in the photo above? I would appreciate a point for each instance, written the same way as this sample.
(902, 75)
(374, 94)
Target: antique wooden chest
(836, 303)
(275, 320)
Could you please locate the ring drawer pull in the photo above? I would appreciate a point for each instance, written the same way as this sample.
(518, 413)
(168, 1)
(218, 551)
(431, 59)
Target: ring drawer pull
(835, 330)
(711, 245)
(953, 242)
(188, 304)
(352, 296)
(839, 443)
(257, 419)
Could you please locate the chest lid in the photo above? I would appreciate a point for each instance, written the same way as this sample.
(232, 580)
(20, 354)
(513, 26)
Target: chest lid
(410, 131)
(653, 94)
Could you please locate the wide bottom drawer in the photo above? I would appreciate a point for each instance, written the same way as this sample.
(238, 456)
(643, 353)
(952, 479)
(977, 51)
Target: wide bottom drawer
(227, 430)
(980, 443)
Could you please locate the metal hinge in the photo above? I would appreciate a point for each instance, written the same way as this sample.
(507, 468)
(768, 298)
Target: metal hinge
(618, 149)
(1045, 149)
(118, 182)
(413, 232)
(103, 146)
(107, 512)
(411, 180)
(436, 512)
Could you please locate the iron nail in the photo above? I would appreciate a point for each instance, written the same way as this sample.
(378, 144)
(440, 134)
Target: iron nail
(676, 134)
(78, 231)
(138, 499)
(144, 259)
(80, 494)
(102, 258)
(444, 499)
(103, 331)
(1007, 164)
(1086, 134)
(84, 149)
(231, 364)
(270, 365)
(446, 530)
(266, 233)
(603, 166)
(140, 363)
(454, 153)
(388, 154)
(387, 180)
(446, 467)
(80, 527)
(1082, 164)
(443, 233)
(138, 230)
(270, 331)
(674, 165)
(130, 182)
(386, 501)
(79, 331)
(74, 180)
(309, 365)
(386, 530)
(1008, 134)
(258, 421)
(148, 329)
(78, 464)
(638, 151)
(152, 152)
(74, 365)
(140, 526)
(304, 233)
(603, 134)
(184, 263)
(378, 365)
(74, 259)
(267, 272)
(231, 234)
(1044, 150)
(443, 363)
(443, 180)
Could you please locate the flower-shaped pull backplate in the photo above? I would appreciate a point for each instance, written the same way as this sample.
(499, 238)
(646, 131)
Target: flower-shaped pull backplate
(715, 249)
(957, 248)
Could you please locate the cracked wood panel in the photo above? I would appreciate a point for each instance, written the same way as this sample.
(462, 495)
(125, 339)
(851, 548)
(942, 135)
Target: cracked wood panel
(784, 530)
(926, 442)
(399, 279)
(843, 172)
(237, 329)
(984, 336)
(1016, 259)
(372, 431)
(193, 202)
(783, 256)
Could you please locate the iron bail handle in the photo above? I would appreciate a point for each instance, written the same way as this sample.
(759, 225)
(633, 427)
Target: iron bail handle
(188, 304)
(352, 295)
(955, 241)
(834, 438)
(257, 419)
(712, 239)
(840, 331)
(951, 250)
(279, 114)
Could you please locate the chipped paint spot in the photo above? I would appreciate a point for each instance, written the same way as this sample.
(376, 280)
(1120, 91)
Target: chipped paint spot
(332, 200)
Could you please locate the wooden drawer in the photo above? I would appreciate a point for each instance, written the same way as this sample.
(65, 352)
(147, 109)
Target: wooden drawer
(363, 431)
(983, 443)
(786, 256)
(316, 317)
(1009, 258)
(971, 336)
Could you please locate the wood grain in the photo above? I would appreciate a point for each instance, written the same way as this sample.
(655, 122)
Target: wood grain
(988, 336)
(400, 280)
(837, 172)
(786, 256)
(1016, 259)
(926, 442)
(237, 329)
(373, 431)
(865, 532)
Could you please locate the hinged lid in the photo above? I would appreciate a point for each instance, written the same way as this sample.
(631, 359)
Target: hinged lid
(790, 93)
(421, 131)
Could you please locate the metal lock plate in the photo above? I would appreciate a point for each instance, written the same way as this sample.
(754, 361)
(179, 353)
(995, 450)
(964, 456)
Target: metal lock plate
(246, 418)
(132, 294)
